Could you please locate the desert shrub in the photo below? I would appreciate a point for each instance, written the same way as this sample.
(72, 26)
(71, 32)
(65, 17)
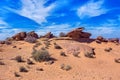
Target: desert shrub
(41, 55)
(47, 44)
(23, 69)
(117, 60)
(29, 61)
(62, 53)
(62, 34)
(65, 67)
(49, 62)
(56, 46)
(39, 69)
(89, 54)
(108, 49)
(37, 44)
(30, 39)
(16, 74)
(19, 59)
(76, 53)
(2, 63)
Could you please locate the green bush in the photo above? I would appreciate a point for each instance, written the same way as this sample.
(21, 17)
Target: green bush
(40, 55)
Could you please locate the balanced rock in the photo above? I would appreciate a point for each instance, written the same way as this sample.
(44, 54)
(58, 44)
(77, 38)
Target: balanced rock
(78, 33)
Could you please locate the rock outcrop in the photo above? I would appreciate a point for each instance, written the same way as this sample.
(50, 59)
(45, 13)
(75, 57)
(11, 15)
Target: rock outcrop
(19, 36)
(115, 40)
(101, 39)
(48, 35)
(23, 35)
(32, 34)
(78, 33)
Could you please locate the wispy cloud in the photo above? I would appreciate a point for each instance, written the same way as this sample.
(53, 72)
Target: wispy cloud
(55, 29)
(3, 25)
(35, 10)
(91, 9)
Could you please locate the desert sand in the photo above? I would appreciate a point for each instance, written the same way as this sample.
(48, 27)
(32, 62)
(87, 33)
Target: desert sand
(101, 67)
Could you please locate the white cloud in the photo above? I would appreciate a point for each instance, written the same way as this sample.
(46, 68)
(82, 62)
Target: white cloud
(3, 24)
(91, 9)
(4, 33)
(55, 29)
(35, 10)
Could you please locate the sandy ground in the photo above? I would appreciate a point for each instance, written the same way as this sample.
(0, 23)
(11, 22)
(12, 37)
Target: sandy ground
(102, 67)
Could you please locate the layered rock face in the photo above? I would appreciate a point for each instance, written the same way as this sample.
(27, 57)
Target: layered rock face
(78, 33)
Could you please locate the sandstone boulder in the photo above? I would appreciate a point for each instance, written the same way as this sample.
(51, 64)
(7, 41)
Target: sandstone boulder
(19, 36)
(32, 34)
(78, 33)
(48, 35)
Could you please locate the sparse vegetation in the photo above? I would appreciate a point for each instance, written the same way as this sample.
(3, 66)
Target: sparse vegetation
(65, 67)
(37, 44)
(108, 49)
(30, 39)
(76, 53)
(63, 54)
(89, 54)
(14, 47)
(39, 69)
(41, 55)
(19, 59)
(56, 46)
(2, 63)
(47, 44)
(117, 60)
(23, 69)
(30, 62)
(16, 74)
(49, 62)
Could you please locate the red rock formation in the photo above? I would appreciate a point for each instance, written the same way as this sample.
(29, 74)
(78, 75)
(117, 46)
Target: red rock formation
(48, 35)
(32, 34)
(78, 33)
(19, 36)
(115, 40)
(101, 39)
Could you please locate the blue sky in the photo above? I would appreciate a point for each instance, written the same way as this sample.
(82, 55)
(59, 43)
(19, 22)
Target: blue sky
(100, 17)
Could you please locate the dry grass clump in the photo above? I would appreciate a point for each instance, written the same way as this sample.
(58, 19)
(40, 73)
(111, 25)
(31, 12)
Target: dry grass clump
(2, 63)
(117, 60)
(40, 55)
(16, 74)
(37, 44)
(108, 49)
(89, 54)
(63, 54)
(56, 46)
(65, 67)
(29, 62)
(23, 69)
(18, 59)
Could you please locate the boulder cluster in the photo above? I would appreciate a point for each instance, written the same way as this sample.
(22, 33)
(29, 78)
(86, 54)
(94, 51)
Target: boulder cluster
(100, 39)
(76, 34)
(23, 35)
